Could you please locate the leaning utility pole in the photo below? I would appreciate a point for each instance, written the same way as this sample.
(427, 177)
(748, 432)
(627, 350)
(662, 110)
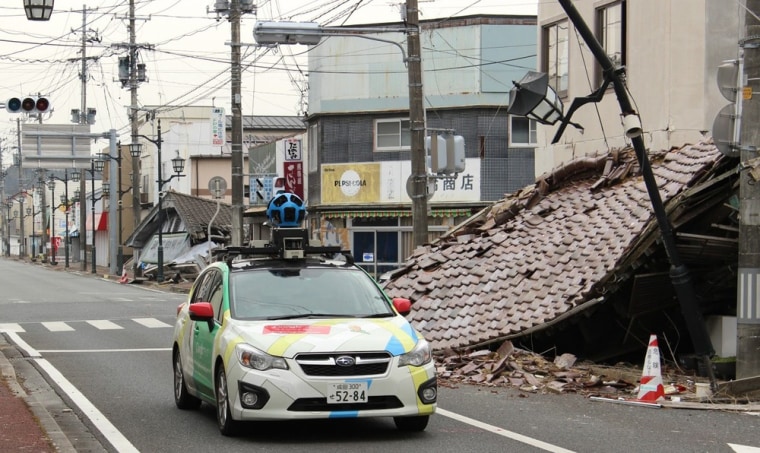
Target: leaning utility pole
(237, 127)
(417, 126)
(748, 300)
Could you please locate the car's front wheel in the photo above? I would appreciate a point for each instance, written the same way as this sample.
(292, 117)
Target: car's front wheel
(182, 398)
(416, 423)
(227, 426)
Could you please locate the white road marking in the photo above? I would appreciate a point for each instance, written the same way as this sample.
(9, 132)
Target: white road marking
(503, 432)
(12, 327)
(104, 324)
(109, 431)
(744, 448)
(91, 351)
(151, 322)
(56, 326)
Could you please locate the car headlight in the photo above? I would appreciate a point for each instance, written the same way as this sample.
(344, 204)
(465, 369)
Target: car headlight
(418, 356)
(250, 357)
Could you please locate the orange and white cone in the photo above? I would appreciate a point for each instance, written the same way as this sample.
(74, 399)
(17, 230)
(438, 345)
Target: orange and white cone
(124, 278)
(651, 388)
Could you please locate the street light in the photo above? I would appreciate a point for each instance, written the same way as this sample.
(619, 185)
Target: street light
(271, 33)
(178, 165)
(65, 202)
(134, 152)
(53, 248)
(8, 205)
(96, 165)
(613, 74)
(38, 9)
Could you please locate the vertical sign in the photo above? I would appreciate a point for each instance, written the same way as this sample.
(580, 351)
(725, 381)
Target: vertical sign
(293, 167)
(294, 178)
(217, 127)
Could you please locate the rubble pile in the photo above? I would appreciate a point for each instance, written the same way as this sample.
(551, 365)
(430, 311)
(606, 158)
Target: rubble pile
(533, 373)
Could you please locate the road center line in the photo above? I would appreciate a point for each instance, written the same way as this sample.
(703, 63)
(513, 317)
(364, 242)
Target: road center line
(101, 423)
(503, 432)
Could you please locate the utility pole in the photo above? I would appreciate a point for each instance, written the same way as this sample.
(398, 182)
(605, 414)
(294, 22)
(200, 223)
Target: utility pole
(417, 126)
(82, 178)
(748, 300)
(237, 127)
(134, 121)
(83, 120)
(20, 187)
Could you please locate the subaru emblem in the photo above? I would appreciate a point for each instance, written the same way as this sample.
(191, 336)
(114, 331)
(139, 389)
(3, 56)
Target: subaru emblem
(345, 360)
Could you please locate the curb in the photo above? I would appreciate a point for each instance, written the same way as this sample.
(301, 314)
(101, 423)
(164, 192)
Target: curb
(34, 402)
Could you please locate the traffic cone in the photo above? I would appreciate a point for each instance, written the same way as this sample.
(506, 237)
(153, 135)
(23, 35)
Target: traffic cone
(651, 387)
(124, 278)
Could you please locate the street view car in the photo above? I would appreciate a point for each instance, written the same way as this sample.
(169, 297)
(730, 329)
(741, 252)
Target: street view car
(278, 331)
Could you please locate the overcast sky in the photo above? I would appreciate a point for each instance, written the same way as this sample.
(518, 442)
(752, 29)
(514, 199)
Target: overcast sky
(186, 53)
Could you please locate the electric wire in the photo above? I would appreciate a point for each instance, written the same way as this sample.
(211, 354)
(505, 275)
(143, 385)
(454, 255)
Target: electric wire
(590, 85)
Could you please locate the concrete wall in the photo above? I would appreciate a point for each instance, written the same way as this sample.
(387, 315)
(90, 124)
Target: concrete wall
(673, 51)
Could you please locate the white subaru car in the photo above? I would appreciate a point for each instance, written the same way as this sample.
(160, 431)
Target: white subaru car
(275, 333)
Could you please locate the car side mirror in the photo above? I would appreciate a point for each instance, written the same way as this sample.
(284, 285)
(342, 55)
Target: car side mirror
(403, 306)
(202, 311)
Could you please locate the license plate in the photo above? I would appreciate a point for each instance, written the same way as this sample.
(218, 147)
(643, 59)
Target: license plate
(348, 392)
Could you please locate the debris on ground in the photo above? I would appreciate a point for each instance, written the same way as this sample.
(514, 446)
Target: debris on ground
(532, 373)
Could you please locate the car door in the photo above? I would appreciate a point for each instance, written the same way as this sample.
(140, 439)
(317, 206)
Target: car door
(203, 336)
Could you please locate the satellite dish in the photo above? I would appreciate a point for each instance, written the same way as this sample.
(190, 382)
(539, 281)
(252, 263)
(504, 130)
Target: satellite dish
(727, 79)
(723, 131)
(217, 186)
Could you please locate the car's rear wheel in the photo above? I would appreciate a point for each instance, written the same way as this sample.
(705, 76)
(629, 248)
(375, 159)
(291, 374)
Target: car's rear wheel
(227, 426)
(182, 398)
(411, 424)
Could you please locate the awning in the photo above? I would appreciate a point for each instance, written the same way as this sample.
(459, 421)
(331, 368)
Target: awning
(454, 212)
(101, 221)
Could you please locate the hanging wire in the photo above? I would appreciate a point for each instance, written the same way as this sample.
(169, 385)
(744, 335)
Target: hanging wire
(591, 87)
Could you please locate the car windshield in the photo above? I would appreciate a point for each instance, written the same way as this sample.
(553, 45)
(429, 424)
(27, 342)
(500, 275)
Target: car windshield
(286, 293)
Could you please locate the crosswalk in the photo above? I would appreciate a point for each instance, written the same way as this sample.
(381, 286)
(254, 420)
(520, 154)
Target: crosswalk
(72, 326)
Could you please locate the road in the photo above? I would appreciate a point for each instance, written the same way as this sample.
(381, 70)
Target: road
(105, 348)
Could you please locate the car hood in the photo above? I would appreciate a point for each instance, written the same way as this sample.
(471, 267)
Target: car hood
(290, 337)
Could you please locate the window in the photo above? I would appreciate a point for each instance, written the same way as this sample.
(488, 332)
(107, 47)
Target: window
(392, 135)
(522, 131)
(555, 47)
(610, 20)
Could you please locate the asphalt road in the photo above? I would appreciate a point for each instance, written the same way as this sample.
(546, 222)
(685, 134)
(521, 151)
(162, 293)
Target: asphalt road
(104, 348)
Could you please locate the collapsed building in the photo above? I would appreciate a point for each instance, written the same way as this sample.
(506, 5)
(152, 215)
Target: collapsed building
(574, 263)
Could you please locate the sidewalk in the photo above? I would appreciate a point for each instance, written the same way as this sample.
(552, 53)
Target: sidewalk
(20, 428)
(32, 414)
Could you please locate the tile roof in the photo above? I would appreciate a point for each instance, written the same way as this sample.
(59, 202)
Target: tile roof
(545, 252)
(197, 212)
(194, 212)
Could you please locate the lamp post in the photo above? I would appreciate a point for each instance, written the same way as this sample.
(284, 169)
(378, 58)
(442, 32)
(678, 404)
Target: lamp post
(65, 201)
(178, 165)
(309, 33)
(96, 165)
(53, 250)
(679, 273)
(8, 204)
(134, 152)
(38, 9)
(21, 216)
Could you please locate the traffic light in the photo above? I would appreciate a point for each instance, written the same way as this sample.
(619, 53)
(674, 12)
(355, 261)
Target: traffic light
(28, 104)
